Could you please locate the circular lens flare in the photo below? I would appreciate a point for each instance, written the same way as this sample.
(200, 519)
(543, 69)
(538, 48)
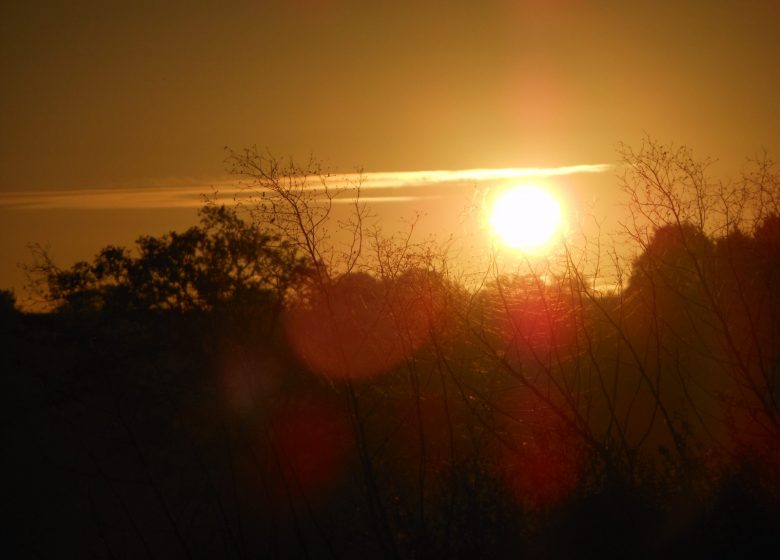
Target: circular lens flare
(526, 218)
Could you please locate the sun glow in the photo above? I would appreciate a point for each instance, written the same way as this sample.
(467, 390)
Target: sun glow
(526, 218)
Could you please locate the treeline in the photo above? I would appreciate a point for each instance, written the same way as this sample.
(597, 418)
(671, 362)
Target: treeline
(248, 389)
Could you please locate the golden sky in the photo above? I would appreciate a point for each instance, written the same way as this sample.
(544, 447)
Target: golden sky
(138, 99)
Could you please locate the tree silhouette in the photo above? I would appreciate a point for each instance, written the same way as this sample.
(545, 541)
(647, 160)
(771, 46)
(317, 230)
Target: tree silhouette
(223, 262)
(7, 302)
(273, 383)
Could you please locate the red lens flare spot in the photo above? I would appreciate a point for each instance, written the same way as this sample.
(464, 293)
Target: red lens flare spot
(360, 327)
(310, 443)
(541, 466)
(536, 317)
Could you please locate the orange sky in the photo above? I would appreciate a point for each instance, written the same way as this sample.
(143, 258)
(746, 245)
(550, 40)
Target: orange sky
(144, 96)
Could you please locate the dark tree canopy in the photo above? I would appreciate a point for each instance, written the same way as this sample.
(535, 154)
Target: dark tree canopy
(7, 302)
(214, 393)
(224, 261)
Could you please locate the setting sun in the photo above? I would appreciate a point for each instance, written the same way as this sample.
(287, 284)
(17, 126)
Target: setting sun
(526, 218)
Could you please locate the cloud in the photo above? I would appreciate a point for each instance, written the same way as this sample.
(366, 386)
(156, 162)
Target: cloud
(375, 188)
(102, 199)
(419, 178)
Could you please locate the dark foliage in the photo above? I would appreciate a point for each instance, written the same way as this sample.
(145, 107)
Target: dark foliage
(217, 394)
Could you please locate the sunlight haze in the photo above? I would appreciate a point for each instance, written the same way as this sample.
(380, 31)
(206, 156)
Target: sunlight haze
(137, 99)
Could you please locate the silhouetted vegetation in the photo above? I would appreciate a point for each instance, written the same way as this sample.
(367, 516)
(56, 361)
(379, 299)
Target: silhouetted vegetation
(272, 384)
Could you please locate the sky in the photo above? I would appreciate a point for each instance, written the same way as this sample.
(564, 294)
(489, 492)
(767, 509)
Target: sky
(122, 102)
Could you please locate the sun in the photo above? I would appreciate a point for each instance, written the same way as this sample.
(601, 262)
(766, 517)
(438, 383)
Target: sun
(526, 218)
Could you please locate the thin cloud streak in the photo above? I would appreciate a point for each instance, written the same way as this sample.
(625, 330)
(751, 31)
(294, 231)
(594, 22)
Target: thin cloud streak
(342, 184)
(419, 178)
(383, 199)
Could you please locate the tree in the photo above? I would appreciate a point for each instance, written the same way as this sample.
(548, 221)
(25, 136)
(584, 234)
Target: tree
(395, 410)
(7, 302)
(703, 289)
(225, 261)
